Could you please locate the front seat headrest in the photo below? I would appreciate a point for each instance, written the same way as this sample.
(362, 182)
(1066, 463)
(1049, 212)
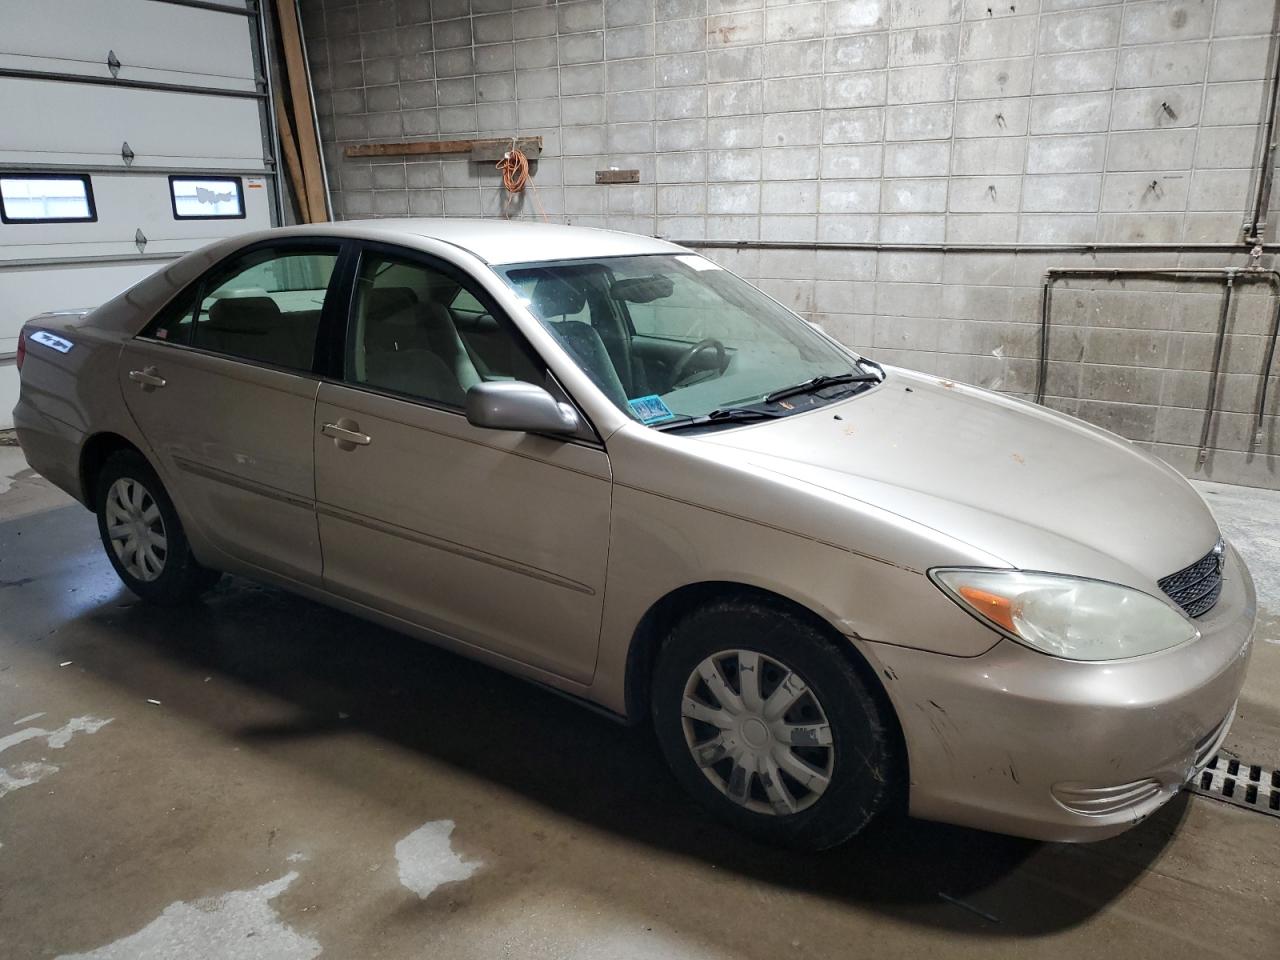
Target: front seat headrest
(384, 301)
(244, 314)
(555, 297)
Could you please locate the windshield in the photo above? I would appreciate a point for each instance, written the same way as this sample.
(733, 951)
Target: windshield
(671, 338)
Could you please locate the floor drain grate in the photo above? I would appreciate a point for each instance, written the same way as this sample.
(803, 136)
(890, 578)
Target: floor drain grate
(1244, 784)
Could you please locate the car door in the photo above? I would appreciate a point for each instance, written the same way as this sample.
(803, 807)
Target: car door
(222, 386)
(498, 539)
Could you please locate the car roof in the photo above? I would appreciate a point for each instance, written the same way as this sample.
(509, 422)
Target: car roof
(504, 241)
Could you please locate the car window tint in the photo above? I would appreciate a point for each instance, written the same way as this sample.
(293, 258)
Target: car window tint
(265, 307)
(420, 332)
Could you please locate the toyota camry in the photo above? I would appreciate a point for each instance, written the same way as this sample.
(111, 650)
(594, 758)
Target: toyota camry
(606, 464)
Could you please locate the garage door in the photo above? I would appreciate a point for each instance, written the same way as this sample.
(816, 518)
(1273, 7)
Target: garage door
(134, 131)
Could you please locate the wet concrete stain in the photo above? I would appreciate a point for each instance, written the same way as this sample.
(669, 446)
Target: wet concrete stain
(426, 859)
(240, 924)
(31, 772)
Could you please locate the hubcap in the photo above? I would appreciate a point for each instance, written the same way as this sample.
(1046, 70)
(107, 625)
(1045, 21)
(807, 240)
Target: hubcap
(758, 732)
(136, 529)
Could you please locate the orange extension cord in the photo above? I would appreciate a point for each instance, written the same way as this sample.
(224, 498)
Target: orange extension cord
(515, 177)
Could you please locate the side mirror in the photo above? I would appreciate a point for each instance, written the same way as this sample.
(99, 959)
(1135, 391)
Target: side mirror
(515, 405)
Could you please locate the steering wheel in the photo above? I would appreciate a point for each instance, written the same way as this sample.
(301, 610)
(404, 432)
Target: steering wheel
(681, 369)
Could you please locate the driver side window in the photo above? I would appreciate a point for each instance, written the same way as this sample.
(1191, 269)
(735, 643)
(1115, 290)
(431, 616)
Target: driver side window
(416, 330)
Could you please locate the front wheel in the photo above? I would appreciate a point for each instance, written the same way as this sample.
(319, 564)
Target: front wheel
(770, 726)
(143, 536)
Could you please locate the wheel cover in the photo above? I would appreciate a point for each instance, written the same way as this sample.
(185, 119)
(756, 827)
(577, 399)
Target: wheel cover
(758, 732)
(135, 529)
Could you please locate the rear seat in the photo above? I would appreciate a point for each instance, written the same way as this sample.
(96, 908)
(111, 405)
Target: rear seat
(254, 328)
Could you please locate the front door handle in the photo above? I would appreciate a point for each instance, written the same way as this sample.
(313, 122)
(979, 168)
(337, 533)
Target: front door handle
(147, 378)
(346, 434)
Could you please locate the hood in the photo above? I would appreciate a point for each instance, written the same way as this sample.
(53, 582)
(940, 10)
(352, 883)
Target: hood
(1038, 489)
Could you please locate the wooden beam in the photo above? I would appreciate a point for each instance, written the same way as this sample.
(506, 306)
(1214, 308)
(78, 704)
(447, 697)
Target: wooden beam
(490, 148)
(289, 147)
(315, 209)
(617, 176)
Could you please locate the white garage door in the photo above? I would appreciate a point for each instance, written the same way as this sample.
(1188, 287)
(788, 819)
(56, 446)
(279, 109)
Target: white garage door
(133, 131)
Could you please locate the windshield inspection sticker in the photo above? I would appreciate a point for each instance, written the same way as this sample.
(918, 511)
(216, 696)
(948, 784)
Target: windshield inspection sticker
(650, 409)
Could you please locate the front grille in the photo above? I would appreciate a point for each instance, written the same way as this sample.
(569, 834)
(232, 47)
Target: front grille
(1196, 588)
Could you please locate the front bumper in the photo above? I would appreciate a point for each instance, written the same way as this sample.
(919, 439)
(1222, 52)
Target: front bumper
(1019, 742)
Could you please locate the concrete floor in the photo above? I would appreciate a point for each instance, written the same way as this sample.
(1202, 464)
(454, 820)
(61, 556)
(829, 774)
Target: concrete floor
(262, 777)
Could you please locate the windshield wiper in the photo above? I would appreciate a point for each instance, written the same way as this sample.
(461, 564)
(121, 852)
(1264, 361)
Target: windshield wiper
(819, 383)
(728, 415)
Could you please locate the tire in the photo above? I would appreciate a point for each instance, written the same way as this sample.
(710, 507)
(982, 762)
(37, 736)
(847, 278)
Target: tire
(854, 757)
(150, 552)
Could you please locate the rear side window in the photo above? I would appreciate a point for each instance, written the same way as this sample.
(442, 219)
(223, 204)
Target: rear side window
(264, 307)
(46, 198)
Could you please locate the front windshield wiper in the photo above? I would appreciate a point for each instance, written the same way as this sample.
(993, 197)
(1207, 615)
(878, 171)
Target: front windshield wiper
(818, 383)
(728, 415)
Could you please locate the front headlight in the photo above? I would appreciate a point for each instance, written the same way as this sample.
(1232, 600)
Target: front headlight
(1068, 617)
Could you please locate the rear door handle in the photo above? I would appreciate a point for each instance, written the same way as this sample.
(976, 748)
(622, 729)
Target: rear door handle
(347, 437)
(147, 378)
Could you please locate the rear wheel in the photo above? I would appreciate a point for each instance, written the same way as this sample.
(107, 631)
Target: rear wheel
(770, 726)
(142, 534)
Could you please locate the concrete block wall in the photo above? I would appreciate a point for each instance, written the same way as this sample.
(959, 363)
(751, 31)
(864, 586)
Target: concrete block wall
(894, 123)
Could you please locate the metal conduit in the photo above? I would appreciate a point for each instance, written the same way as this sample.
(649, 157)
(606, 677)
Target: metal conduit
(1257, 222)
(1229, 277)
(1028, 248)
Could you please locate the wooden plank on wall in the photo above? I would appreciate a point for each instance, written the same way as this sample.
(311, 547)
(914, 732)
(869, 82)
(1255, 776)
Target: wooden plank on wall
(315, 209)
(289, 147)
(617, 176)
(488, 148)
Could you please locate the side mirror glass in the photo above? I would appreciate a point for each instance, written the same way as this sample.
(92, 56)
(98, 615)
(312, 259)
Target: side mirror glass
(516, 405)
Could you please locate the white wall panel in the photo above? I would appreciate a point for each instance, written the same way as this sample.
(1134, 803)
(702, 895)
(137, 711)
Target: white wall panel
(68, 123)
(153, 41)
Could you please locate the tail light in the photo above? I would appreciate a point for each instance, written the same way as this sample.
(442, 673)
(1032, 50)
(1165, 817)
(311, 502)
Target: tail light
(22, 347)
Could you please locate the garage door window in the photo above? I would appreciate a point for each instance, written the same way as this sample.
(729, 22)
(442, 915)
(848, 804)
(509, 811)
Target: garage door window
(206, 198)
(46, 198)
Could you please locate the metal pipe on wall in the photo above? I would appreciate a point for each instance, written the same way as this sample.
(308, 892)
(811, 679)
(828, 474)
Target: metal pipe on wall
(1211, 401)
(1257, 224)
(973, 247)
(1229, 276)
